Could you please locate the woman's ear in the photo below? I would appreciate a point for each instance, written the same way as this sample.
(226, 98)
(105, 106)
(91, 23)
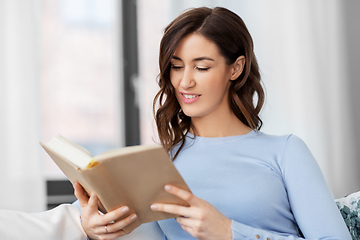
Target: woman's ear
(237, 67)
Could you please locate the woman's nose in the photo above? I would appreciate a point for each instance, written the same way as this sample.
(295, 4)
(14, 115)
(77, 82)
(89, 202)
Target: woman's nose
(187, 80)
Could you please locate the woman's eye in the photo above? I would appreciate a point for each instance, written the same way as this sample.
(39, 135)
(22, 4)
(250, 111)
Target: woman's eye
(176, 67)
(202, 69)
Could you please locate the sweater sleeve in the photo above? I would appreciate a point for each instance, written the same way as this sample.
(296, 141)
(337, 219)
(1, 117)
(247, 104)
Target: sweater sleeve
(310, 199)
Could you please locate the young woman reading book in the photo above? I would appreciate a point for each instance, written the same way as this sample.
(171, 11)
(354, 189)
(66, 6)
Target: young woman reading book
(245, 184)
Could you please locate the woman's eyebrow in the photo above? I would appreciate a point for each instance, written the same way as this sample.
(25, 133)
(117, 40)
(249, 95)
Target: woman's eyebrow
(195, 59)
(176, 58)
(203, 58)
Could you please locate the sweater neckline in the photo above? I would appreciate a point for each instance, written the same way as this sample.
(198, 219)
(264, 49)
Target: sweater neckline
(220, 139)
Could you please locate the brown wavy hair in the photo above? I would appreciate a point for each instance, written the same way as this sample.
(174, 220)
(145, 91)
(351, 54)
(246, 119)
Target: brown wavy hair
(228, 31)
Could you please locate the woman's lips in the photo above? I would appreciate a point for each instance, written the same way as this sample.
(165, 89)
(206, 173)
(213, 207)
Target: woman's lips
(189, 97)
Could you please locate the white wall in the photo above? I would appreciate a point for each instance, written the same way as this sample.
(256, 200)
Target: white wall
(22, 184)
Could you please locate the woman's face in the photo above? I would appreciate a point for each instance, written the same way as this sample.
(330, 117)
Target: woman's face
(201, 77)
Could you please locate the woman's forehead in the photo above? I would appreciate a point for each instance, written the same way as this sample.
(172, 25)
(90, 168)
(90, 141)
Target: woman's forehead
(196, 47)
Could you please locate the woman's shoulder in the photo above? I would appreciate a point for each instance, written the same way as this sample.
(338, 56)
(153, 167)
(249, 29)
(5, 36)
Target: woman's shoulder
(284, 151)
(285, 139)
(291, 150)
(279, 145)
(279, 140)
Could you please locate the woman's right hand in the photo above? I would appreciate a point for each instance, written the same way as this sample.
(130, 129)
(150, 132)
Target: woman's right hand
(99, 226)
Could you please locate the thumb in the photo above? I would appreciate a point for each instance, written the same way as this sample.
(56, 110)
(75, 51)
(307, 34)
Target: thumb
(93, 203)
(80, 194)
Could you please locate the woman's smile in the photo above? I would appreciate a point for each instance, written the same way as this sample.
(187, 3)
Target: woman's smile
(189, 97)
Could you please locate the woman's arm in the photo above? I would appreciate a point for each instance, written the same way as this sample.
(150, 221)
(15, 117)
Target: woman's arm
(205, 222)
(310, 199)
(311, 203)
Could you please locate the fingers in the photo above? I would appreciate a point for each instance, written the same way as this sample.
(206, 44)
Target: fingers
(171, 208)
(112, 230)
(177, 209)
(200, 219)
(113, 235)
(192, 211)
(110, 217)
(186, 222)
(116, 226)
(93, 203)
(117, 214)
(80, 194)
(94, 223)
(103, 232)
(181, 193)
(113, 227)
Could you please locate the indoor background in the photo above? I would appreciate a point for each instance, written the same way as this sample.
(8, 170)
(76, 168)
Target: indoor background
(86, 69)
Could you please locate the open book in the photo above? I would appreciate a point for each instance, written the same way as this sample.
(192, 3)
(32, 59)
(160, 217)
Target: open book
(132, 176)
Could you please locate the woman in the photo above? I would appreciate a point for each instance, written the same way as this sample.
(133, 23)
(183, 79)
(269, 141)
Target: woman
(245, 184)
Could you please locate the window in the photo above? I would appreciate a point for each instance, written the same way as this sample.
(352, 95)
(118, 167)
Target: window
(79, 78)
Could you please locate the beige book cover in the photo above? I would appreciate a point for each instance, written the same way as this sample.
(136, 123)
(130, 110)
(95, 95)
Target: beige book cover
(132, 176)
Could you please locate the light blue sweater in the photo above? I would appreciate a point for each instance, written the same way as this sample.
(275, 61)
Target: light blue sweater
(269, 186)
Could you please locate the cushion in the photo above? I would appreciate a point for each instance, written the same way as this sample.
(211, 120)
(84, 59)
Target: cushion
(350, 210)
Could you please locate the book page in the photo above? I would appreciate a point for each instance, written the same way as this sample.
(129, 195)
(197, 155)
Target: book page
(125, 151)
(70, 151)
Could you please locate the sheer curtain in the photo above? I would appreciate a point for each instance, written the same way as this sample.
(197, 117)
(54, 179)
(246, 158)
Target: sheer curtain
(22, 184)
(301, 49)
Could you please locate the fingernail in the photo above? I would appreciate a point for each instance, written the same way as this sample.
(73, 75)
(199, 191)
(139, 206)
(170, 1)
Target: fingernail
(133, 217)
(93, 194)
(125, 209)
(168, 187)
(154, 207)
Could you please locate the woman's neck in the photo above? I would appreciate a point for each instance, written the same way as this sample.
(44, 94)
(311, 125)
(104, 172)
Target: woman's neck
(218, 126)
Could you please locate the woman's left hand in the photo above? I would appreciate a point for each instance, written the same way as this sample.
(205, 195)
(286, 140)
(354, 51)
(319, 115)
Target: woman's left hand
(200, 219)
